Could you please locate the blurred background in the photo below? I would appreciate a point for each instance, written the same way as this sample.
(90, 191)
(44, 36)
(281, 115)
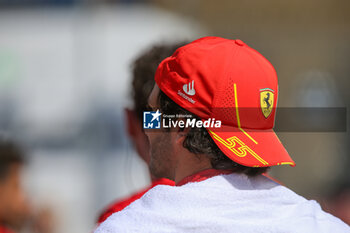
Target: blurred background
(65, 81)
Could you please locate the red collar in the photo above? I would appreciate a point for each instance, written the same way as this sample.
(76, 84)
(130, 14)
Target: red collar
(163, 181)
(202, 175)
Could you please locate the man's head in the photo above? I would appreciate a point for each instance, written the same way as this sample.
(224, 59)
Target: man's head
(168, 144)
(143, 71)
(215, 78)
(13, 207)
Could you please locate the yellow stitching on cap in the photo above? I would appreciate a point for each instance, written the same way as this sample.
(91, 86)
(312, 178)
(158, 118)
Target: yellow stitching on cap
(236, 105)
(246, 134)
(237, 115)
(287, 163)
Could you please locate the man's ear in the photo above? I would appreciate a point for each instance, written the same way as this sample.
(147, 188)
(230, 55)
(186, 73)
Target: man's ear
(132, 123)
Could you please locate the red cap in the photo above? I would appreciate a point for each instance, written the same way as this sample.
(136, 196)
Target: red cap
(213, 77)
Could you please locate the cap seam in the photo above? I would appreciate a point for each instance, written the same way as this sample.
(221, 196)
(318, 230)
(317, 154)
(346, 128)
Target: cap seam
(222, 85)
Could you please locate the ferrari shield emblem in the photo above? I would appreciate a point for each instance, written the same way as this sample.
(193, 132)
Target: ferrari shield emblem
(266, 101)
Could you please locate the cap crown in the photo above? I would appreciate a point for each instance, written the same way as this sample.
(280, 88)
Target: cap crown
(224, 79)
(227, 80)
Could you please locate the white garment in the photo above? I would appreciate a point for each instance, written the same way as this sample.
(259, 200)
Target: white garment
(224, 203)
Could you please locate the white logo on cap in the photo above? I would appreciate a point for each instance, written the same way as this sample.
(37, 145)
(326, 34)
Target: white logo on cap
(189, 88)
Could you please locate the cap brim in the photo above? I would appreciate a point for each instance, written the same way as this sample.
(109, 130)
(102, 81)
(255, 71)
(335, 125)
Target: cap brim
(251, 148)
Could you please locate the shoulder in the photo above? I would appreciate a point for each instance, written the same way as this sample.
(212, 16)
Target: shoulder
(119, 205)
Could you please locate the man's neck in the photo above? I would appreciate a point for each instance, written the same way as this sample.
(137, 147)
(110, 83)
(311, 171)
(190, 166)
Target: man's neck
(189, 165)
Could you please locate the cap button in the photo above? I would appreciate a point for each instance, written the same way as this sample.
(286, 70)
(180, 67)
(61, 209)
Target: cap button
(239, 42)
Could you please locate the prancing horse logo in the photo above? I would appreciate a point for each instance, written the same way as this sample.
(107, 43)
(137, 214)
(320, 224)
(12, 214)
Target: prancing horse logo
(266, 101)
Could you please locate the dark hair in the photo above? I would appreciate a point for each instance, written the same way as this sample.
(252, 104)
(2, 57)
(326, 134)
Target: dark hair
(9, 154)
(143, 71)
(198, 141)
